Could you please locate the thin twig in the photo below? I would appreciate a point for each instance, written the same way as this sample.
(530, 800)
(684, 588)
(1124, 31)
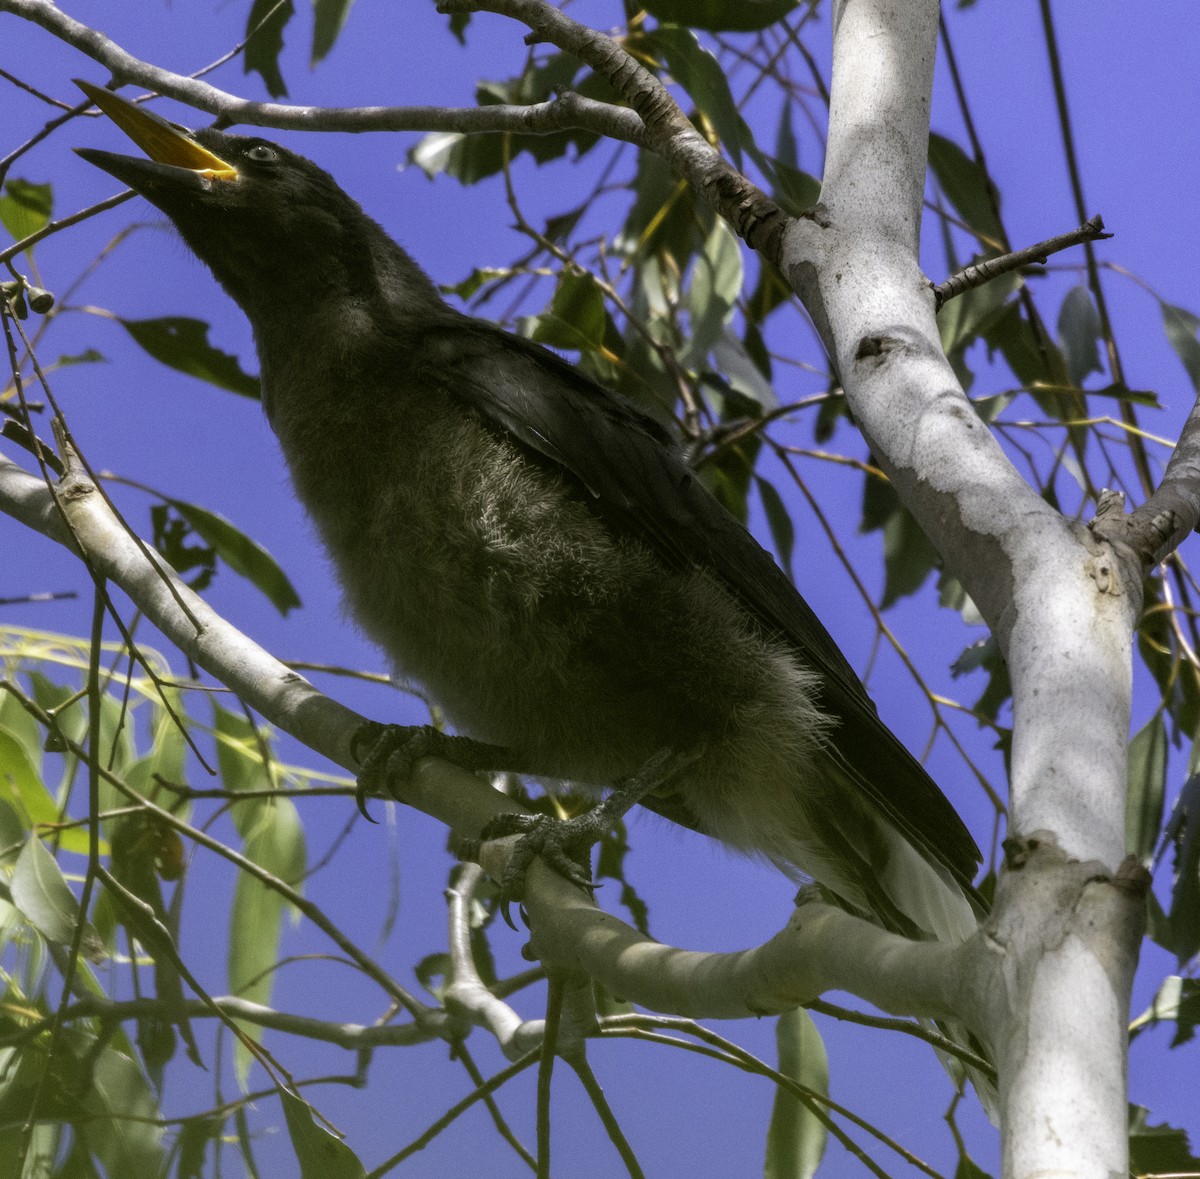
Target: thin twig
(983, 272)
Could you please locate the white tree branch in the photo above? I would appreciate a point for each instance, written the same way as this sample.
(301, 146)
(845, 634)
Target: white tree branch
(1062, 604)
(562, 113)
(821, 949)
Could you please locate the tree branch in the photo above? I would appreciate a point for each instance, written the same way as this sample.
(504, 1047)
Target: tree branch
(1155, 529)
(821, 949)
(668, 131)
(561, 113)
(983, 272)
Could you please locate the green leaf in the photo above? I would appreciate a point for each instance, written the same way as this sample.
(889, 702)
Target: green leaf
(1181, 326)
(716, 284)
(195, 1136)
(701, 75)
(664, 216)
(1078, 332)
(87, 356)
(1158, 1149)
(243, 555)
(965, 318)
(41, 894)
(471, 158)
(1183, 833)
(120, 1117)
(478, 278)
(182, 344)
(720, 16)
(22, 788)
(23, 729)
(966, 186)
(1147, 778)
(909, 556)
(796, 1137)
(1178, 999)
(320, 1154)
(25, 207)
(328, 18)
(783, 533)
(577, 318)
(12, 831)
(265, 43)
(272, 837)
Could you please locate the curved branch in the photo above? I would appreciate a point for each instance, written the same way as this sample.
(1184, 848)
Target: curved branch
(561, 113)
(669, 132)
(821, 949)
(983, 272)
(1156, 529)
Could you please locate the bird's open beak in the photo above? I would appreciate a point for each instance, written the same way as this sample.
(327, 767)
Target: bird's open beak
(171, 149)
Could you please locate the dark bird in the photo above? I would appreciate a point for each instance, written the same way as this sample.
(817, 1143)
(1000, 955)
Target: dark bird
(534, 551)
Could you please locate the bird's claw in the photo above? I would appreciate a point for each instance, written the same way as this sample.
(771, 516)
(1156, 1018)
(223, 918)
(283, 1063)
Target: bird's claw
(562, 843)
(391, 752)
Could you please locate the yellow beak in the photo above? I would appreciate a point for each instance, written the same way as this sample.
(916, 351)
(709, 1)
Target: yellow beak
(163, 142)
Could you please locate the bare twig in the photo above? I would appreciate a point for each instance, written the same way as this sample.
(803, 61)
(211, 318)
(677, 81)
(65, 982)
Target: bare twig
(1155, 529)
(565, 111)
(983, 272)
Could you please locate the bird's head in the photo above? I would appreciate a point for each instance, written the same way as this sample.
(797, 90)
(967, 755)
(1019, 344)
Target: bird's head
(270, 224)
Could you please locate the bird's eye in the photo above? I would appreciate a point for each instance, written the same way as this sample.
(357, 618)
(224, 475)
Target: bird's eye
(262, 154)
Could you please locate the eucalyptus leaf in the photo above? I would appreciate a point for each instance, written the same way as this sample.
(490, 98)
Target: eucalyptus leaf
(182, 343)
(1079, 333)
(25, 207)
(42, 896)
(721, 16)
(319, 1153)
(1147, 783)
(796, 1137)
(243, 555)
(264, 42)
(1181, 326)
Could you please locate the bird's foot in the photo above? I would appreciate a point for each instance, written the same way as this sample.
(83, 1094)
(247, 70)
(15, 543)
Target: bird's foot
(564, 843)
(387, 754)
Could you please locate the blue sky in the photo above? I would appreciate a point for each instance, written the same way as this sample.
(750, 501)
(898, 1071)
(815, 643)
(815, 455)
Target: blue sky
(1133, 92)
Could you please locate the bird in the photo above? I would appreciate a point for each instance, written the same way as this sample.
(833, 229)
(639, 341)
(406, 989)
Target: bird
(534, 550)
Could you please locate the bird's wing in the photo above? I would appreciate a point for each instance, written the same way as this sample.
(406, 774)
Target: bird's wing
(641, 486)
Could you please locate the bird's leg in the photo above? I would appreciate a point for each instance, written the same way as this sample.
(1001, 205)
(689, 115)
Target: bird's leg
(564, 843)
(389, 753)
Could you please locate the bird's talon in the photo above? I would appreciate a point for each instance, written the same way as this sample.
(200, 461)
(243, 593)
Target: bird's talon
(360, 800)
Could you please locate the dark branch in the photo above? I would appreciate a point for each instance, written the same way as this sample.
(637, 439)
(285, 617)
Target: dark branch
(984, 272)
(668, 131)
(1154, 530)
(561, 113)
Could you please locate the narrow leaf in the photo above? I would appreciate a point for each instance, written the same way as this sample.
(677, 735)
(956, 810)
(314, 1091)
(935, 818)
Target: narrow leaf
(1078, 333)
(796, 1137)
(265, 43)
(701, 75)
(243, 555)
(328, 18)
(783, 534)
(720, 16)
(966, 186)
(182, 344)
(41, 894)
(716, 284)
(21, 786)
(1147, 783)
(25, 207)
(319, 1153)
(1180, 326)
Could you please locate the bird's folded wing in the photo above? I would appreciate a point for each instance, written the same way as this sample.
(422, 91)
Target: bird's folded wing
(641, 486)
